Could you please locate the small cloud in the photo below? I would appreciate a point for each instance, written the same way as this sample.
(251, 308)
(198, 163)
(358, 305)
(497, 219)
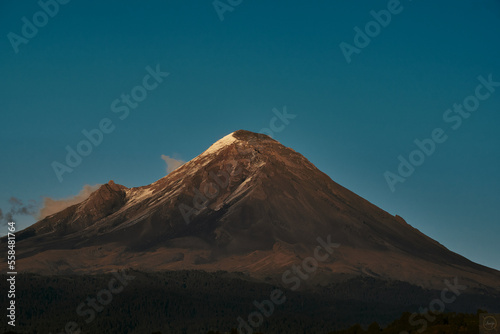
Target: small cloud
(18, 208)
(51, 206)
(15, 202)
(172, 164)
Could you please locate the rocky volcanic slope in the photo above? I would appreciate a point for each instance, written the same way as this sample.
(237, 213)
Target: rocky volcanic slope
(246, 204)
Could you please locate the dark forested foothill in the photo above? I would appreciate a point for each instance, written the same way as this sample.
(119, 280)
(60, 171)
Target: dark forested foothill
(198, 302)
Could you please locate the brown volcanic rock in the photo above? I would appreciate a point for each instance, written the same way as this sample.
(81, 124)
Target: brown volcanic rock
(107, 199)
(253, 205)
(101, 203)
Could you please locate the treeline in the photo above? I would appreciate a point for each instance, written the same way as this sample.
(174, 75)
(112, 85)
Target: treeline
(445, 323)
(196, 302)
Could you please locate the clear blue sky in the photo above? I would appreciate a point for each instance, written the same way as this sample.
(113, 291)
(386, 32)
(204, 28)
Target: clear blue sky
(353, 120)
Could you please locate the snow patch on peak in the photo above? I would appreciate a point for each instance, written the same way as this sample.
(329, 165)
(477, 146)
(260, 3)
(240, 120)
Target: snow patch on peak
(221, 143)
(136, 195)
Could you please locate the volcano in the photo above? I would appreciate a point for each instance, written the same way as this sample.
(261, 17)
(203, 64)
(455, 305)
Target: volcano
(247, 204)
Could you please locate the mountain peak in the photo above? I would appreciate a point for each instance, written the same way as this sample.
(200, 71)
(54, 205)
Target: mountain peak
(249, 136)
(109, 187)
(240, 135)
(105, 200)
(221, 143)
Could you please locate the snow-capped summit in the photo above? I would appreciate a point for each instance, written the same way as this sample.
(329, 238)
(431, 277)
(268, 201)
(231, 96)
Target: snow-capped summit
(223, 142)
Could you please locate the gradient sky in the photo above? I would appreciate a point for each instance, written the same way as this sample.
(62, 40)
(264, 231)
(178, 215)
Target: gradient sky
(352, 120)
